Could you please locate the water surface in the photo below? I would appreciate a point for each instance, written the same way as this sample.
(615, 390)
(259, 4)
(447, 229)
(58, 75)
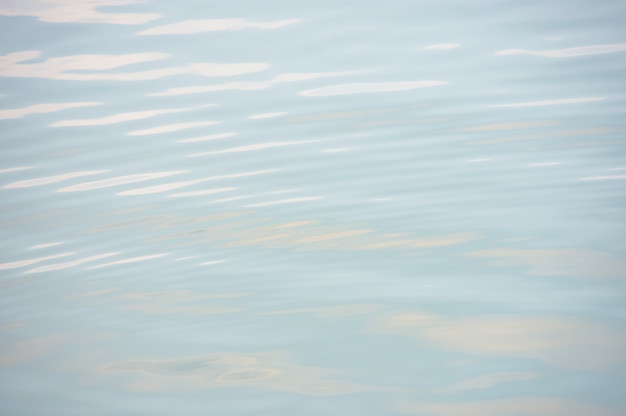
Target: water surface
(330, 207)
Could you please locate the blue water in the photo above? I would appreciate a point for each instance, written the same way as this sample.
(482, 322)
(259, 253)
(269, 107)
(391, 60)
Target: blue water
(313, 208)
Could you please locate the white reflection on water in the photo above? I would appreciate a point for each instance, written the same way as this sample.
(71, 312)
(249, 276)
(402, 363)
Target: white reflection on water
(541, 164)
(120, 180)
(216, 136)
(360, 88)
(324, 231)
(201, 192)
(24, 263)
(188, 27)
(51, 179)
(551, 102)
(79, 67)
(569, 52)
(252, 147)
(210, 263)
(128, 260)
(603, 178)
(42, 109)
(123, 117)
(15, 169)
(337, 150)
(70, 264)
(286, 201)
(64, 11)
(46, 245)
(157, 189)
(441, 46)
(172, 127)
(331, 311)
(592, 132)
(177, 185)
(527, 406)
(250, 85)
(266, 115)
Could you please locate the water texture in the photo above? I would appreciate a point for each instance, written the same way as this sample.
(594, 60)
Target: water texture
(313, 208)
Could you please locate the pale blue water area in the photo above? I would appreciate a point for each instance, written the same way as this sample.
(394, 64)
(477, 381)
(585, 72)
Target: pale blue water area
(313, 208)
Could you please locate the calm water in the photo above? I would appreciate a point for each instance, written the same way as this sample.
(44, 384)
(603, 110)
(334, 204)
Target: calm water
(313, 208)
